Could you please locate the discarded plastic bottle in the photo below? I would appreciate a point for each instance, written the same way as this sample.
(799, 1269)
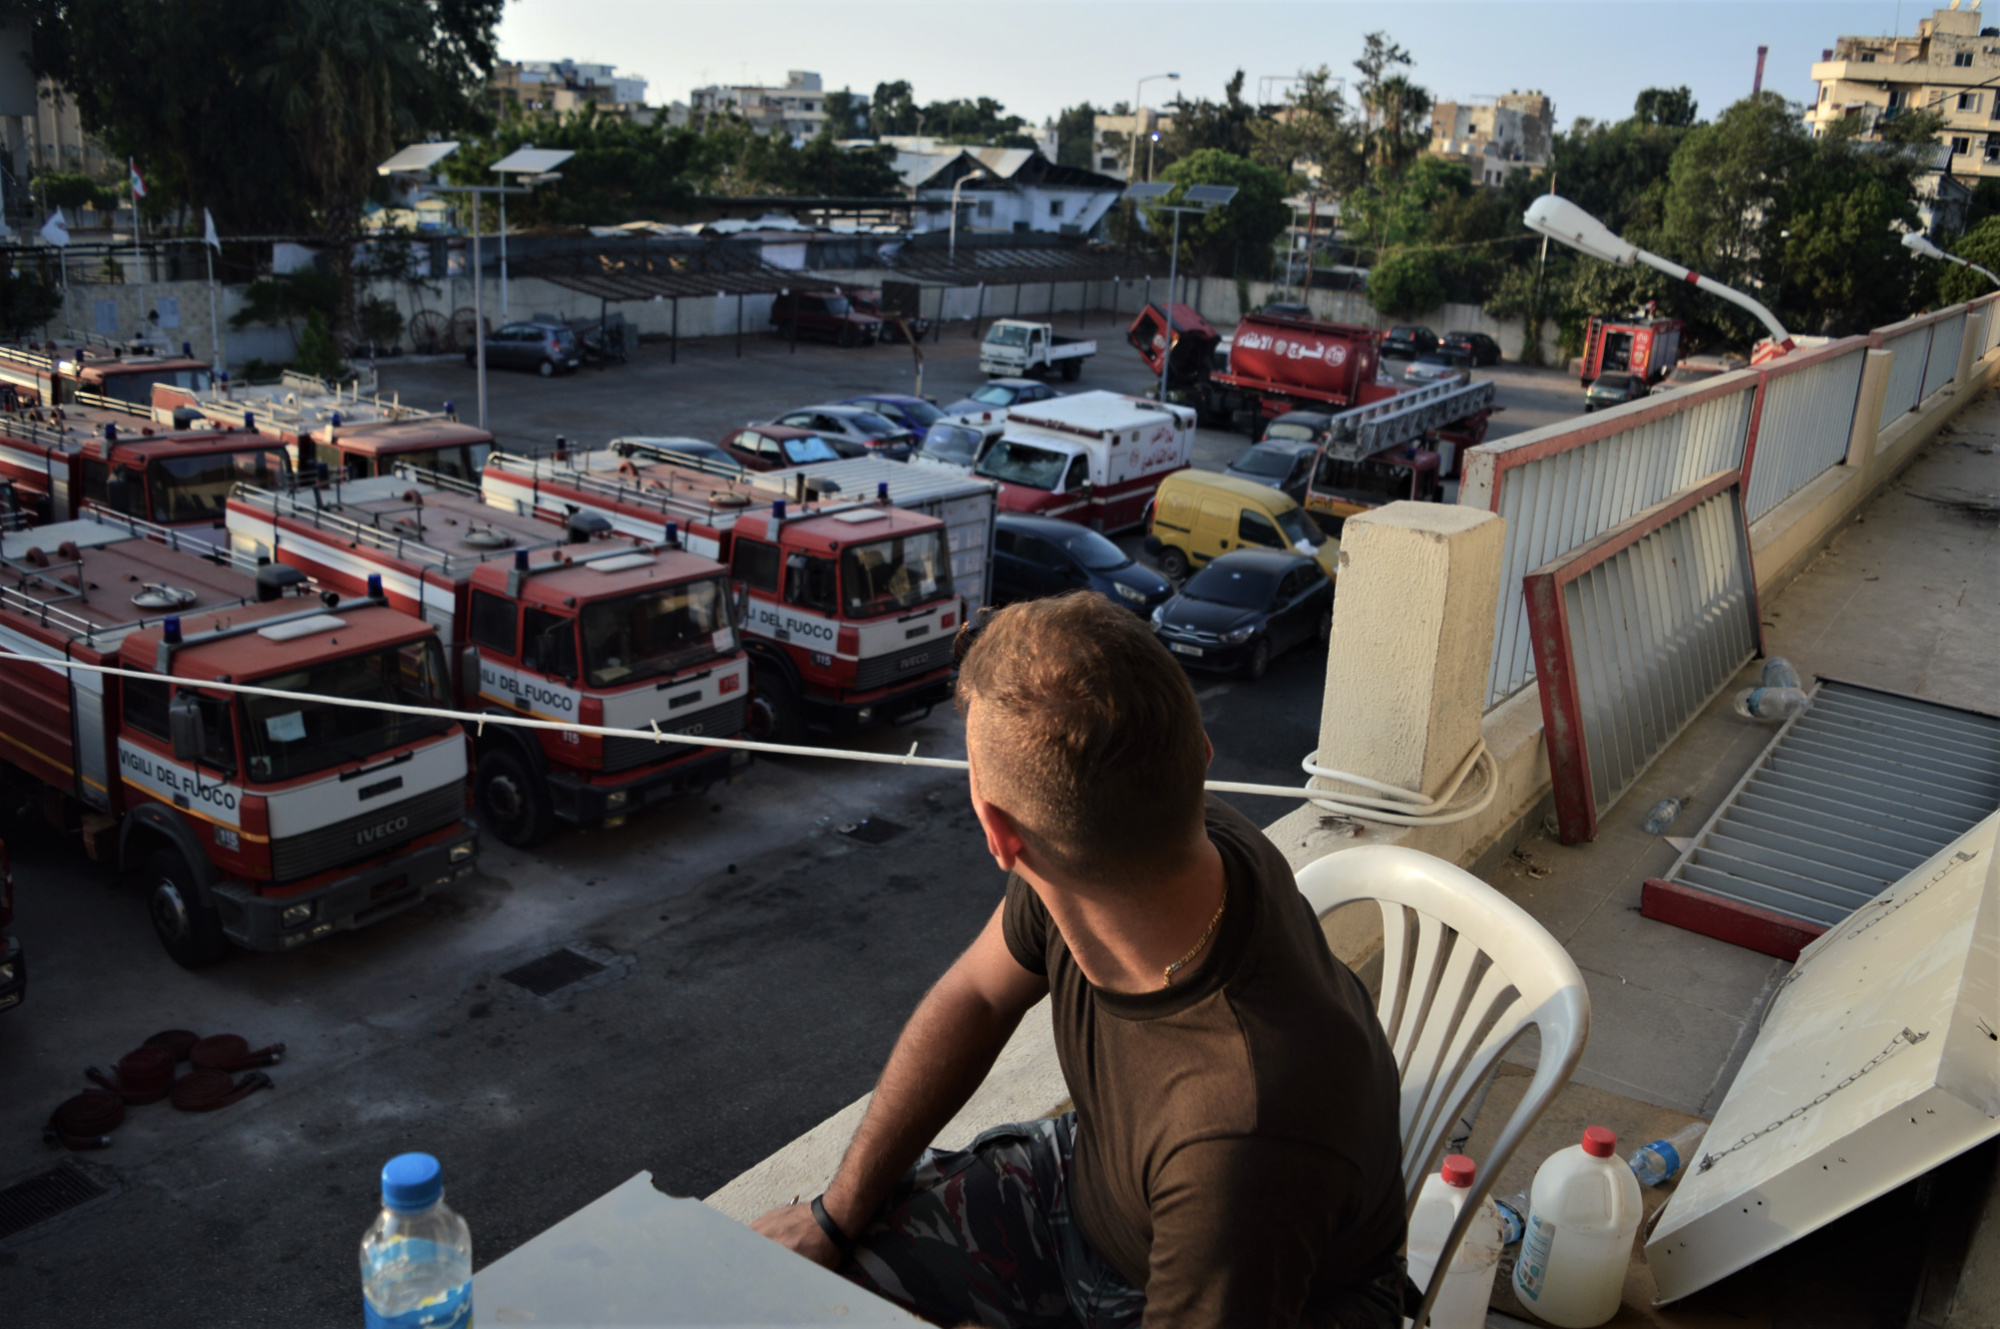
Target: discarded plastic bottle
(1513, 1211)
(1583, 1212)
(1662, 815)
(1773, 705)
(416, 1259)
(1468, 1280)
(1662, 1160)
(1778, 673)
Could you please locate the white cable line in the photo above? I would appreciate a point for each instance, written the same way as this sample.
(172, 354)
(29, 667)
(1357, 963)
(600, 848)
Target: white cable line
(1399, 807)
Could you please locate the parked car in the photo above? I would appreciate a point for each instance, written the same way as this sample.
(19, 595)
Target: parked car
(1000, 394)
(1245, 609)
(1038, 556)
(870, 303)
(956, 444)
(825, 314)
(1439, 366)
(774, 447)
(1482, 348)
(1698, 369)
(916, 414)
(1196, 516)
(703, 454)
(545, 348)
(1614, 390)
(1409, 342)
(853, 431)
(1285, 464)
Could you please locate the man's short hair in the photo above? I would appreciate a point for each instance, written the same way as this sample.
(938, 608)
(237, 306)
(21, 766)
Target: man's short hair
(1090, 737)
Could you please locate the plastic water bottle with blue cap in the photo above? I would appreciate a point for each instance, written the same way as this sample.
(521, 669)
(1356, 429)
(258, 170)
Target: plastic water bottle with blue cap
(1663, 1160)
(416, 1260)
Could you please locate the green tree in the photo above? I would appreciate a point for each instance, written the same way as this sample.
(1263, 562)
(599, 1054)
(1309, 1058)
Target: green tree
(27, 302)
(1076, 128)
(1429, 231)
(891, 110)
(1980, 244)
(1406, 282)
(846, 115)
(1237, 237)
(1205, 126)
(1673, 107)
(1314, 131)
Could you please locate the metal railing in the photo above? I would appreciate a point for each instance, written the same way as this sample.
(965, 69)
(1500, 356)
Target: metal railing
(1804, 422)
(302, 505)
(1566, 484)
(1941, 361)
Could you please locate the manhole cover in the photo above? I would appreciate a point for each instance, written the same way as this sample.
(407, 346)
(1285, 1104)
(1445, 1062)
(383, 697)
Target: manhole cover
(557, 969)
(39, 1199)
(872, 830)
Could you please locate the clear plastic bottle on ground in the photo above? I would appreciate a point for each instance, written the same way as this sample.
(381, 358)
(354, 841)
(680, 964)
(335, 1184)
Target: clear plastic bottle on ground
(1662, 1160)
(1778, 673)
(1774, 705)
(1468, 1283)
(416, 1260)
(1663, 814)
(1582, 1213)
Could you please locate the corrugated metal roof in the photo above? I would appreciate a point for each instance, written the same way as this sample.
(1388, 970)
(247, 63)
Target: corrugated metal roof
(1847, 798)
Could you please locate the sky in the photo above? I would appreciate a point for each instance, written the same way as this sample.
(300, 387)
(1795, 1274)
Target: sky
(1038, 56)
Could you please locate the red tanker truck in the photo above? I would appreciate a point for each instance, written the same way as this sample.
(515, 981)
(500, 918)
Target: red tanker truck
(1271, 365)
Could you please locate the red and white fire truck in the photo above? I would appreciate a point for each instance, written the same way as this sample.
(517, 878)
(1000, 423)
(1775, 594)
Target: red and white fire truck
(347, 431)
(553, 621)
(848, 607)
(266, 821)
(1648, 347)
(55, 460)
(52, 375)
(1094, 458)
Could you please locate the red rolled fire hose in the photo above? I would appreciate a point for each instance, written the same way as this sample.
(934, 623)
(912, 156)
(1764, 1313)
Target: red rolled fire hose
(146, 1075)
(85, 1121)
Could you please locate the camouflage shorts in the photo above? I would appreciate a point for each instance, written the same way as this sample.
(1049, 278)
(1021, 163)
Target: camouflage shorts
(985, 1235)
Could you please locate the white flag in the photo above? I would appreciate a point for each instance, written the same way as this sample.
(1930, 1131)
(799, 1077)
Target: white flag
(55, 230)
(208, 236)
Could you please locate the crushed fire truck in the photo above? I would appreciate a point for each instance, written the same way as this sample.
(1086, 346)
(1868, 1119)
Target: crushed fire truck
(266, 821)
(55, 460)
(1648, 347)
(551, 621)
(848, 603)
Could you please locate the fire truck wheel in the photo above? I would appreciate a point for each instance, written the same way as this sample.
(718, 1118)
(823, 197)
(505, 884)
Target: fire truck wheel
(774, 710)
(1173, 564)
(512, 801)
(1260, 659)
(190, 930)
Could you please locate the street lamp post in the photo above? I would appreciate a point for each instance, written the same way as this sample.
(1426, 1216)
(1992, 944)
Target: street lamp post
(1561, 220)
(1921, 246)
(534, 165)
(1197, 199)
(422, 157)
(957, 185)
(1139, 100)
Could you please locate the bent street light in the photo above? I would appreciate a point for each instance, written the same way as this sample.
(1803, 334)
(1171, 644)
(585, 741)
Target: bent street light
(1196, 199)
(1922, 247)
(956, 185)
(1561, 220)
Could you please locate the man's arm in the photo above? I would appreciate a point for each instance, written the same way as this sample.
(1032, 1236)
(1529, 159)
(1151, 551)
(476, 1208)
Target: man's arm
(945, 1051)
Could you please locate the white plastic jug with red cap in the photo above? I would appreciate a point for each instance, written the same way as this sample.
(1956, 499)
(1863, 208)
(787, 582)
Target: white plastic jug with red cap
(1582, 1213)
(1468, 1283)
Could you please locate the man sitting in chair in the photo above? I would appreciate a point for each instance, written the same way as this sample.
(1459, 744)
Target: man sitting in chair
(1233, 1158)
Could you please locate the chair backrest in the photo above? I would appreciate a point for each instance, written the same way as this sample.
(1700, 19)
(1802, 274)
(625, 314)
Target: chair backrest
(1465, 972)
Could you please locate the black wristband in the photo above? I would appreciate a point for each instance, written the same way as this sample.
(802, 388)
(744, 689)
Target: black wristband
(826, 1224)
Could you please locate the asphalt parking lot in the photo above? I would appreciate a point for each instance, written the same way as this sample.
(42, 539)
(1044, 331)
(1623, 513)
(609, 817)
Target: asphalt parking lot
(756, 959)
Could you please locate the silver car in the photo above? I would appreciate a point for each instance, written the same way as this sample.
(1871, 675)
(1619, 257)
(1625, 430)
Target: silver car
(854, 431)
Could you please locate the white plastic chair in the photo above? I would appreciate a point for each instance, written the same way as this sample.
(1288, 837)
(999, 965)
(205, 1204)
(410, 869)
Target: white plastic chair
(1465, 972)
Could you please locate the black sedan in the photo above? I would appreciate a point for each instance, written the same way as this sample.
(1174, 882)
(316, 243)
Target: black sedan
(1037, 556)
(1284, 463)
(1482, 349)
(1409, 342)
(1246, 608)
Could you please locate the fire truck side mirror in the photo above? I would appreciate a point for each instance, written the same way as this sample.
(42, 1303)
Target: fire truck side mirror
(468, 669)
(184, 725)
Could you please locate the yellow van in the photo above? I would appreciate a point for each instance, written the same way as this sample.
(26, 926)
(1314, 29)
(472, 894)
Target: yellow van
(1199, 514)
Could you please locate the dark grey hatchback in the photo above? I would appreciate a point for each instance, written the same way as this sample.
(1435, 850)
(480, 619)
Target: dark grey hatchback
(544, 348)
(1245, 609)
(1038, 556)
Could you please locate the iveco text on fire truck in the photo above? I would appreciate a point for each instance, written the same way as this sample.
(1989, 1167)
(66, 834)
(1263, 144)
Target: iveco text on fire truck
(267, 821)
(558, 622)
(1094, 458)
(848, 607)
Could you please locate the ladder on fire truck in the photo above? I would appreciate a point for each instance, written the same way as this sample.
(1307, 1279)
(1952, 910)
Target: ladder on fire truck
(1404, 418)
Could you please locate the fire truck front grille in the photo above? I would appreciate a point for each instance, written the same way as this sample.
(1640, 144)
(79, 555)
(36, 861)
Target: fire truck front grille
(377, 831)
(723, 720)
(883, 670)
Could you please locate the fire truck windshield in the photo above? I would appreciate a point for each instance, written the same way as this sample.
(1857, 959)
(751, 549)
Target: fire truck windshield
(1022, 464)
(655, 631)
(456, 462)
(197, 487)
(892, 575)
(285, 738)
(137, 388)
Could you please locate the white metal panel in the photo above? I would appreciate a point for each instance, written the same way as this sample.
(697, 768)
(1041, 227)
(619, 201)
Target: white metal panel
(1941, 364)
(1874, 1064)
(1807, 419)
(1906, 375)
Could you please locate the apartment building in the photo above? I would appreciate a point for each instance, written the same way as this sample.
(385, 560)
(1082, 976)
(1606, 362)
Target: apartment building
(560, 86)
(1951, 66)
(798, 108)
(1112, 136)
(1494, 137)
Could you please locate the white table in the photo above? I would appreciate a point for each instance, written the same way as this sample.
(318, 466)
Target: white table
(636, 1257)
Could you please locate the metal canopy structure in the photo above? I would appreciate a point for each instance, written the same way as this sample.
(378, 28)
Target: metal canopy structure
(627, 272)
(1848, 797)
(418, 157)
(1023, 265)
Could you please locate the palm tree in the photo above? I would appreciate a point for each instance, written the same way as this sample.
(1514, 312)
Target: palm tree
(1399, 119)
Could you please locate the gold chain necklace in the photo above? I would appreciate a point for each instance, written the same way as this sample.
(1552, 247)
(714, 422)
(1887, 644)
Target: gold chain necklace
(1167, 974)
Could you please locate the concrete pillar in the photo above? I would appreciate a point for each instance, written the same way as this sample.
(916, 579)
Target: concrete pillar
(1412, 642)
(1868, 407)
(1969, 344)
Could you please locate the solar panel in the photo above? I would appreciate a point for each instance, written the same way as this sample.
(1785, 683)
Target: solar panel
(1146, 192)
(532, 161)
(418, 157)
(1210, 195)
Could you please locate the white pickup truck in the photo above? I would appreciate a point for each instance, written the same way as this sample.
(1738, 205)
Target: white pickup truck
(1015, 348)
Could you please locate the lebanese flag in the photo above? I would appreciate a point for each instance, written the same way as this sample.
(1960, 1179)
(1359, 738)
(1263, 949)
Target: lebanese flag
(138, 181)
